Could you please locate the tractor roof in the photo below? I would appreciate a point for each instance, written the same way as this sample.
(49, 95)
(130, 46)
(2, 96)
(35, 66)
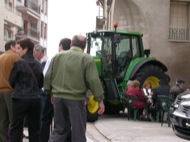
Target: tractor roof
(118, 31)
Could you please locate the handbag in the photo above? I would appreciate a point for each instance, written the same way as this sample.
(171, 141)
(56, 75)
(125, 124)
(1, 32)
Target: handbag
(32, 73)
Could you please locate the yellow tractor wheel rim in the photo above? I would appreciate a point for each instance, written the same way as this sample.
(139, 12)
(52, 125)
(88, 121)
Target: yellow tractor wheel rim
(92, 105)
(154, 81)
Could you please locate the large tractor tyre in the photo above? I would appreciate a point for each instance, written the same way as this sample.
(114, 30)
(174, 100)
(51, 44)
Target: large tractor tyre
(152, 74)
(92, 109)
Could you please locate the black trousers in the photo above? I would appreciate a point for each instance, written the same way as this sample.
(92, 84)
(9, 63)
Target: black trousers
(46, 120)
(69, 120)
(21, 108)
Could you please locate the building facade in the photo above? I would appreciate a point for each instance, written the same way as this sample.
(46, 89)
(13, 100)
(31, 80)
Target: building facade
(23, 19)
(165, 27)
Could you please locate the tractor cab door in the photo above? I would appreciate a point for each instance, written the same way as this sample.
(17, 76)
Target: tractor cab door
(126, 50)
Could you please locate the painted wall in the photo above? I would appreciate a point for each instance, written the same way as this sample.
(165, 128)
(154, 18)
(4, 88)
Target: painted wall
(1, 25)
(151, 17)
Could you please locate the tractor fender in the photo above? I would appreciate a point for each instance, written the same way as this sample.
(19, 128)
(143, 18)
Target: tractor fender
(148, 61)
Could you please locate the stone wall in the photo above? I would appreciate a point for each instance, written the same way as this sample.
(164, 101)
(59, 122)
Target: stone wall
(151, 17)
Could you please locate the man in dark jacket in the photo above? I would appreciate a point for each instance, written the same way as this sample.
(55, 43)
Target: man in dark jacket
(47, 112)
(26, 78)
(177, 89)
(162, 89)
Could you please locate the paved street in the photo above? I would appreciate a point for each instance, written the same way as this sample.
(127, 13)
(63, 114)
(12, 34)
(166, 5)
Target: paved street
(119, 129)
(26, 140)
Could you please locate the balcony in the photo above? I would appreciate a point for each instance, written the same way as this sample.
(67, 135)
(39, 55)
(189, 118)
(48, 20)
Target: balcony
(100, 21)
(12, 16)
(29, 33)
(29, 8)
(179, 34)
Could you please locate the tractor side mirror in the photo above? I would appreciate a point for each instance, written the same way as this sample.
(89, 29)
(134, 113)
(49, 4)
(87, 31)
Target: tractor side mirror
(147, 52)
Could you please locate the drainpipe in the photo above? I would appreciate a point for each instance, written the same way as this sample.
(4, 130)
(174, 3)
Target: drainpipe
(108, 8)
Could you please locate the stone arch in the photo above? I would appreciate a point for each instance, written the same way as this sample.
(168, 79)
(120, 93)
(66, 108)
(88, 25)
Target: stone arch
(131, 18)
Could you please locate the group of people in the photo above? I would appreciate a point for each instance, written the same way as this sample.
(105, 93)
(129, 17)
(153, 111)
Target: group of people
(150, 104)
(38, 91)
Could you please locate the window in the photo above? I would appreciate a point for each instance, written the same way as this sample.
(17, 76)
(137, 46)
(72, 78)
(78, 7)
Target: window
(46, 7)
(45, 31)
(135, 47)
(42, 29)
(34, 26)
(33, 30)
(7, 32)
(9, 5)
(123, 46)
(179, 16)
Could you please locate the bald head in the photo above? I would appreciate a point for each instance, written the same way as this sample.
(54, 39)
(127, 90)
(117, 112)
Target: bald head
(79, 41)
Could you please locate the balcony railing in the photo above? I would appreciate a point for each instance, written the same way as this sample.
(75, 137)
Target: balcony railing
(30, 32)
(32, 6)
(179, 34)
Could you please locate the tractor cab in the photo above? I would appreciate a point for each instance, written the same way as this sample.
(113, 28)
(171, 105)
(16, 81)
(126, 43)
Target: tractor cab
(115, 50)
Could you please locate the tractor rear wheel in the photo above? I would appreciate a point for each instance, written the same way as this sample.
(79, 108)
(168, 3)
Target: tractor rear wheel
(152, 74)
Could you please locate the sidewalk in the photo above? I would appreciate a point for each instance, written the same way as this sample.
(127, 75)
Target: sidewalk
(124, 130)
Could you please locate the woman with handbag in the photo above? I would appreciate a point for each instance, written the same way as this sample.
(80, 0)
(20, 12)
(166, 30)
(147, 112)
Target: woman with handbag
(26, 78)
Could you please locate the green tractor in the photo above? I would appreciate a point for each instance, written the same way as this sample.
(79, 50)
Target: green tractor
(119, 57)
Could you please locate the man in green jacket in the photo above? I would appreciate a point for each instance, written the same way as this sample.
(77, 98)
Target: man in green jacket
(69, 76)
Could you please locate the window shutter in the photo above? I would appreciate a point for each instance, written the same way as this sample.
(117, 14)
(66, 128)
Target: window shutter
(179, 15)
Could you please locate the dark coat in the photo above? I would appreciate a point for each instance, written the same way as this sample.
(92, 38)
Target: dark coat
(160, 90)
(21, 78)
(175, 91)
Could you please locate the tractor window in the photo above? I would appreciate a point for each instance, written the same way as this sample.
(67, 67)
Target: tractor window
(107, 46)
(96, 46)
(135, 47)
(123, 54)
(123, 46)
(100, 46)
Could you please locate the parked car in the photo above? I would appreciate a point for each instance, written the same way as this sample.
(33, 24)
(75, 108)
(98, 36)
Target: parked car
(181, 119)
(183, 96)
